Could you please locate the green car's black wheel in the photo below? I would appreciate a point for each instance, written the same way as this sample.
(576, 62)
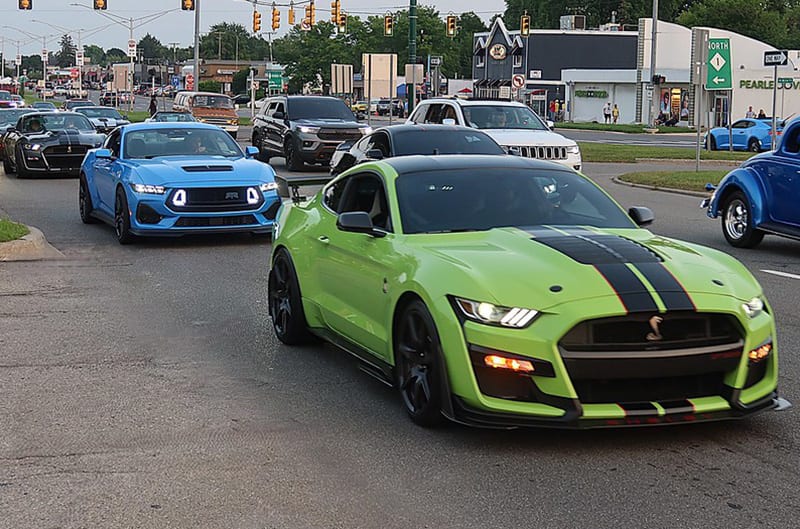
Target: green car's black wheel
(737, 222)
(285, 303)
(122, 219)
(293, 161)
(418, 365)
(85, 202)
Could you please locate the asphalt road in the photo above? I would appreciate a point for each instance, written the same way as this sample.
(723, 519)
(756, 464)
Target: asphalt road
(142, 386)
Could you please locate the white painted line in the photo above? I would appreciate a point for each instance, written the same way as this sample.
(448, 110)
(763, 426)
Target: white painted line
(782, 274)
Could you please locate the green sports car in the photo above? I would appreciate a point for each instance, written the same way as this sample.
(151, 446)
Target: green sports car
(500, 291)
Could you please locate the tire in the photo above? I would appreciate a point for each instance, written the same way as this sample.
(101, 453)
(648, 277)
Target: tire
(85, 205)
(418, 364)
(713, 142)
(753, 145)
(7, 166)
(737, 222)
(122, 219)
(19, 167)
(293, 161)
(285, 301)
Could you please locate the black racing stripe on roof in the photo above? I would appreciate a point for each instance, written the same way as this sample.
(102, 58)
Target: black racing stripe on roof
(668, 288)
(629, 288)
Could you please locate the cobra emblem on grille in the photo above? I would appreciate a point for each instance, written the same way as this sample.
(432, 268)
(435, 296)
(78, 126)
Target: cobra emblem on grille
(69, 149)
(655, 336)
(231, 195)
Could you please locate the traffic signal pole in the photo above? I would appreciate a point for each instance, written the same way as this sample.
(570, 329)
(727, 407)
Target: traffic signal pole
(196, 44)
(411, 89)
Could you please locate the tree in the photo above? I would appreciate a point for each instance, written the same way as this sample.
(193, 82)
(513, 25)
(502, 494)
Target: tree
(152, 48)
(210, 86)
(469, 24)
(116, 55)
(95, 54)
(239, 83)
(746, 17)
(66, 54)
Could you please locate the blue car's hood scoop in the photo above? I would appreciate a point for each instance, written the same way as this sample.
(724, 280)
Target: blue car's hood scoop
(207, 168)
(182, 170)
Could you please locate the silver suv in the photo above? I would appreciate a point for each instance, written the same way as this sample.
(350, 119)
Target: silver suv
(513, 125)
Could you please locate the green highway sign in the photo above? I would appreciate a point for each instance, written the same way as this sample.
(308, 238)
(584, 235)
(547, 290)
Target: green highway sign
(718, 65)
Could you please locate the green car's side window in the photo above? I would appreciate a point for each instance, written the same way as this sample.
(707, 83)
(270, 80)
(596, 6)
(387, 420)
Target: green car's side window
(333, 195)
(365, 192)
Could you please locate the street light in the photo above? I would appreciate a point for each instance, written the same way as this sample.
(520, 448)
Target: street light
(79, 48)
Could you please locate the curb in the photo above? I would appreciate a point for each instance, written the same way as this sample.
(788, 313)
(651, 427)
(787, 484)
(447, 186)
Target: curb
(730, 163)
(698, 194)
(32, 247)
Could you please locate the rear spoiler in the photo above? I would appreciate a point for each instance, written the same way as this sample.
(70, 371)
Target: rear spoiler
(290, 187)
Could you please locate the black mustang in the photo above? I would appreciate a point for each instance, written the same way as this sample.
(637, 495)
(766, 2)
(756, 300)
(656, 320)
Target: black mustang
(48, 143)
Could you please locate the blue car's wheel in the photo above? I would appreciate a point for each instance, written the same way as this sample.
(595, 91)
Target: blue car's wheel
(754, 145)
(418, 364)
(122, 219)
(85, 202)
(737, 222)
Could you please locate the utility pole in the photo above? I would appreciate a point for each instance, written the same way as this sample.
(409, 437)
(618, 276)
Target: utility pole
(656, 97)
(197, 5)
(411, 90)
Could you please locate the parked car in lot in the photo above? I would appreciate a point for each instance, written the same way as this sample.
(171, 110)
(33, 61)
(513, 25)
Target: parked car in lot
(113, 99)
(501, 291)
(304, 129)
(173, 179)
(72, 104)
(754, 135)
(513, 125)
(761, 195)
(18, 101)
(164, 116)
(44, 105)
(48, 144)
(104, 119)
(407, 140)
(5, 100)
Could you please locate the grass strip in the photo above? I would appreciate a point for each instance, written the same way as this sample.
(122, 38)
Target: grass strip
(686, 180)
(617, 153)
(626, 128)
(11, 231)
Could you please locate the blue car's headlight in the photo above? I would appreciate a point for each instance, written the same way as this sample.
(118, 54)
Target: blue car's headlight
(269, 186)
(148, 189)
(487, 313)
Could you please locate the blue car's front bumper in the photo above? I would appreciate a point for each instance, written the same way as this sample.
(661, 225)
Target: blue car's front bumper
(150, 216)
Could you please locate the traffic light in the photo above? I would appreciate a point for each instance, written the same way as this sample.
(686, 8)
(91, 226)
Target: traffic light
(342, 22)
(388, 26)
(187, 5)
(100, 4)
(276, 18)
(336, 8)
(311, 13)
(256, 21)
(26, 4)
(451, 25)
(291, 14)
(525, 25)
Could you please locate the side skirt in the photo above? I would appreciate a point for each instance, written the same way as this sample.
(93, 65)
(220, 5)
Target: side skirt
(367, 362)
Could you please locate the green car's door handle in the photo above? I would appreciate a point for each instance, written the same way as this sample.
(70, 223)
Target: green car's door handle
(323, 239)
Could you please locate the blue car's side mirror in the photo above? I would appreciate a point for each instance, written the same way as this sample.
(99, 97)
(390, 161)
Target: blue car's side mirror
(251, 152)
(104, 153)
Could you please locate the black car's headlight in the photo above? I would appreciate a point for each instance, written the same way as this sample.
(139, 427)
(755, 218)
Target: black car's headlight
(35, 147)
(490, 314)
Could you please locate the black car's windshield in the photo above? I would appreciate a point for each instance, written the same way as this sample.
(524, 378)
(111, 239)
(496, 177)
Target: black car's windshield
(319, 108)
(211, 101)
(172, 117)
(56, 121)
(485, 198)
(90, 112)
(502, 117)
(152, 143)
(444, 142)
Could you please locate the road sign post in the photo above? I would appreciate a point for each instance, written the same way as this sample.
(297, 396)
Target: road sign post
(775, 59)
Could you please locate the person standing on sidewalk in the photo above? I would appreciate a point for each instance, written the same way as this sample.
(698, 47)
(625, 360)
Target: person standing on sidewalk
(615, 113)
(607, 112)
(153, 105)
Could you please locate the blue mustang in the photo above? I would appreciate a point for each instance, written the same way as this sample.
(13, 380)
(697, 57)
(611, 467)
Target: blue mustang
(760, 196)
(174, 179)
(754, 135)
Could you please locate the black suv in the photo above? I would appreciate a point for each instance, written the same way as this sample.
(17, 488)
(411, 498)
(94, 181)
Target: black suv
(304, 129)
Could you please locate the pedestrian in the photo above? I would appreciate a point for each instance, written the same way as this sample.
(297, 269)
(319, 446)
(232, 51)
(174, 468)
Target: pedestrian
(750, 113)
(153, 105)
(615, 113)
(761, 114)
(552, 109)
(400, 109)
(607, 112)
(557, 109)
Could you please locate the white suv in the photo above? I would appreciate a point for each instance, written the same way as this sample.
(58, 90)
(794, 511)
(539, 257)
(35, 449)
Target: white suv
(513, 125)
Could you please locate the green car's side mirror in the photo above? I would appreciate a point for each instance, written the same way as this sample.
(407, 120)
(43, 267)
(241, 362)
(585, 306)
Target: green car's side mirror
(358, 222)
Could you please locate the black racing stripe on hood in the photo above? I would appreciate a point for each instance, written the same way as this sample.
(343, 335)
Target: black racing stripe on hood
(668, 288)
(591, 248)
(630, 289)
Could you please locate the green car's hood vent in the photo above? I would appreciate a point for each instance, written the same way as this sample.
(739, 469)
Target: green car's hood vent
(524, 267)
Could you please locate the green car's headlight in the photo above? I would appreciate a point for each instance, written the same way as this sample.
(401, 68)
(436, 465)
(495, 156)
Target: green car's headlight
(482, 312)
(754, 307)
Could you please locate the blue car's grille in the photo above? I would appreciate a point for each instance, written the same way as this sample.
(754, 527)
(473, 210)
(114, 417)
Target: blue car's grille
(209, 222)
(218, 199)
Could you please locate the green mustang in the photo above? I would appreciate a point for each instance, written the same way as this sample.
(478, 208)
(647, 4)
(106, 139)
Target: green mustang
(501, 291)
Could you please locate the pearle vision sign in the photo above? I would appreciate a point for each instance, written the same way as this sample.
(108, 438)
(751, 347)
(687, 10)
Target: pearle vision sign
(768, 84)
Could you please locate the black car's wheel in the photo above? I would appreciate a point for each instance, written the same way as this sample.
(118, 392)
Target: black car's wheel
(285, 303)
(85, 202)
(19, 166)
(293, 161)
(122, 219)
(737, 222)
(418, 364)
(753, 145)
(7, 168)
(263, 153)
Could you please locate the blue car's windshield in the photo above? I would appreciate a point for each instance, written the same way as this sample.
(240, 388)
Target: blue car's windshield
(485, 198)
(155, 142)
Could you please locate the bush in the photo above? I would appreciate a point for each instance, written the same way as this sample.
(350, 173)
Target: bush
(210, 86)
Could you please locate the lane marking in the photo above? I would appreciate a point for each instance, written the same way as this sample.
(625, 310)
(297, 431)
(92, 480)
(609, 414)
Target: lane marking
(782, 274)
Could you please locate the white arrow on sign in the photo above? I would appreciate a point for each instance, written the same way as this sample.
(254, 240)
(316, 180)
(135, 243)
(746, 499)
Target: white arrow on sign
(718, 80)
(717, 61)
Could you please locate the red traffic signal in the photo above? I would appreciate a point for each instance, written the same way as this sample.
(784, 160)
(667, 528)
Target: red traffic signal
(187, 5)
(26, 4)
(100, 4)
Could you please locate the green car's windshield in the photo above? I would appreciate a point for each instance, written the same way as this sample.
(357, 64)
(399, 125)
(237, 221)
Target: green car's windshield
(481, 199)
(152, 143)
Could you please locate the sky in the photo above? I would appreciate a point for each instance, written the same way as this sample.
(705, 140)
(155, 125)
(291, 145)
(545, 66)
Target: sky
(177, 26)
